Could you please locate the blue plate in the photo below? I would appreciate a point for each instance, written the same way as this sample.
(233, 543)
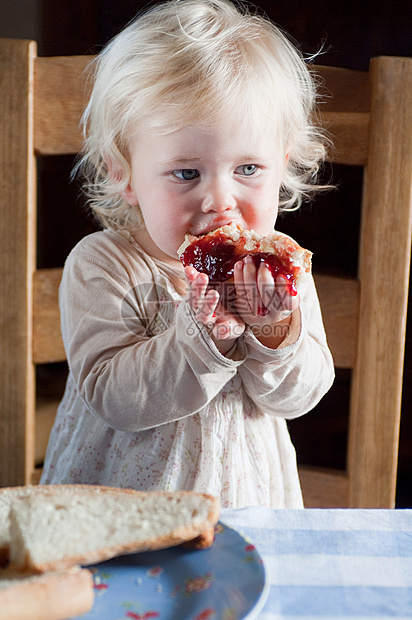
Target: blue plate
(228, 581)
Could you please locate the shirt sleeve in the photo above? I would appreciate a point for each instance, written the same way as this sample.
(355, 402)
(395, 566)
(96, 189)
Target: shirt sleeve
(130, 380)
(290, 381)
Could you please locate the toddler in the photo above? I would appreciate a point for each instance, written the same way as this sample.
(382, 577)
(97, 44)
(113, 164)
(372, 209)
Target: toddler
(200, 115)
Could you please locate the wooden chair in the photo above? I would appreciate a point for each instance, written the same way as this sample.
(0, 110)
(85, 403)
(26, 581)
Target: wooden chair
(370, 120)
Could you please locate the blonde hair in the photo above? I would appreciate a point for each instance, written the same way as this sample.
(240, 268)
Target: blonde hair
(190, 61)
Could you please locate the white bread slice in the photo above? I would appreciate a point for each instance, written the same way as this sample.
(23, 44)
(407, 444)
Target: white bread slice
(10, 494)
(53, 596)
(58, 529)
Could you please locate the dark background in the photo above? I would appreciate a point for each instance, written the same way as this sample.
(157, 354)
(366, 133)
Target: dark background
(348, 33)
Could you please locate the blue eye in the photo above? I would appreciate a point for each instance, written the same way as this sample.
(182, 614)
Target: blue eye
(186, 174)
(249, 169)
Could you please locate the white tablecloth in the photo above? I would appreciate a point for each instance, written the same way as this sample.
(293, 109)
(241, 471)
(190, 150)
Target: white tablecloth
(329, 564)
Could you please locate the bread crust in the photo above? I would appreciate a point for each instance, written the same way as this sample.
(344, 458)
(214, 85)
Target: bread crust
(203, 541)
(175, 536)
(53, 596)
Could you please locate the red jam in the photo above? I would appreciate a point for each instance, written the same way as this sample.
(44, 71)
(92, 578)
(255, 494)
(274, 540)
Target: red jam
(216, 258)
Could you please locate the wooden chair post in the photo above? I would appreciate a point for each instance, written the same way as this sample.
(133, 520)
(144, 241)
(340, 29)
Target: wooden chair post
(384, 275)
(17, 260)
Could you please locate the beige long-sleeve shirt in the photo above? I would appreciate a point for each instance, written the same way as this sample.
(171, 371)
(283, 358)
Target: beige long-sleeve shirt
(150, 403)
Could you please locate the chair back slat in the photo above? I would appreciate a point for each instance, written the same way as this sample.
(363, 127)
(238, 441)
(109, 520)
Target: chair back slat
(61, 91)
(324, 487)
(349, 133)
(60, 95)
(339, 300)
(343, 89)
(47, 339)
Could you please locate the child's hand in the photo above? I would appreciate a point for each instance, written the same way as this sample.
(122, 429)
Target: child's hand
(262, 301)
(225, 327)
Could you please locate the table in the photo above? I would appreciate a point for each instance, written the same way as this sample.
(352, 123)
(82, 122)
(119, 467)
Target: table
(329, 564)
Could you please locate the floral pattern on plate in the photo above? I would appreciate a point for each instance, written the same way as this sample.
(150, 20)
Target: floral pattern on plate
(225, 582)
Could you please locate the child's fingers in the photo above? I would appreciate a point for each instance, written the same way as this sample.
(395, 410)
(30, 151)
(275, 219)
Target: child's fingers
(238, 275)
(198, 283)
(286, 301)
(267, 289)
(190, 273)
(206, 310)
(247, 294)
(227, 326)
(222, 331)
(202, 300)
(259, 294)
(275, 293)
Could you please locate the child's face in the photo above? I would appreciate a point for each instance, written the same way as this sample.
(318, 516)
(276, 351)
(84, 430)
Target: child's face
(199, 178)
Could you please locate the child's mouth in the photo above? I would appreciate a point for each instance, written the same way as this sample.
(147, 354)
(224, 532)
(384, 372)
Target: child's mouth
(208, 227)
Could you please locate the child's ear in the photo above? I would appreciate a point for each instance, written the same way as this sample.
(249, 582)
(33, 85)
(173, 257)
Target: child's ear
(129, 195)
(116, 174)
(285, 162)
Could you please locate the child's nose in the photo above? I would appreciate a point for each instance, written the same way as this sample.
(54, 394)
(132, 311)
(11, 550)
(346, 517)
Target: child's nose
(218, 197)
